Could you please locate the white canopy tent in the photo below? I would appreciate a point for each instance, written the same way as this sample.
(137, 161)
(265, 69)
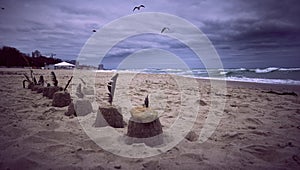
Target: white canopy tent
(64, 65)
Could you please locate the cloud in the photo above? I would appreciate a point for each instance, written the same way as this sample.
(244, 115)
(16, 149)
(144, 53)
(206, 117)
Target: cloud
(233, 26)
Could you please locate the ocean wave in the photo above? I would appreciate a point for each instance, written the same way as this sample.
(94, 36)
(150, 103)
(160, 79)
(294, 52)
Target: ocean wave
(265, 81)
(266, 70)
(289, 69)
(272, 75)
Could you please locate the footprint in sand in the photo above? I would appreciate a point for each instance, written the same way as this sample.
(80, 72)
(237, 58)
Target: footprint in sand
(22, 163)
(266, 153)
(253, 121)
(192, 157)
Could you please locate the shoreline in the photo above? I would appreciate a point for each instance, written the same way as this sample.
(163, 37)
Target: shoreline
(231, 83)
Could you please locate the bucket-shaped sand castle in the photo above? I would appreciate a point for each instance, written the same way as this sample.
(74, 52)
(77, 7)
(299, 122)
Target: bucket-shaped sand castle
(144, 126)
(144, 122)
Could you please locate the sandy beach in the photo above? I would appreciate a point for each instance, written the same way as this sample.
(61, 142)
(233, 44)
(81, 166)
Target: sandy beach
(259, 127)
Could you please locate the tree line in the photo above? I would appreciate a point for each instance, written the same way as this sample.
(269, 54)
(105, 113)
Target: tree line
(12, 57)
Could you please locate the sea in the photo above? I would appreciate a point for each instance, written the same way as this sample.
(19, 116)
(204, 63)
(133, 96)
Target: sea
(270, 75)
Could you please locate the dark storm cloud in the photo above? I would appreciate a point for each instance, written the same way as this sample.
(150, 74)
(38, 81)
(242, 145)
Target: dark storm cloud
(256, 19)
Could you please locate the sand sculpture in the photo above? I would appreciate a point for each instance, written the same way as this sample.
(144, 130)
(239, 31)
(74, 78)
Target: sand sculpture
(80, 106)
(60, 96)
(108, 114)
(144, 122)
(144, 125)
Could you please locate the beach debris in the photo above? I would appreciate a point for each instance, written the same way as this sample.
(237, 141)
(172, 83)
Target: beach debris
(164, 29)
(61, 99)
(138, 7)
(282, 93)
(111, 86)
(68, 83)
(54, 80)
(109, 116)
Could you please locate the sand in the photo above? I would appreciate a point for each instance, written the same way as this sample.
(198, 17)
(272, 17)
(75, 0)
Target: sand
(256, 130)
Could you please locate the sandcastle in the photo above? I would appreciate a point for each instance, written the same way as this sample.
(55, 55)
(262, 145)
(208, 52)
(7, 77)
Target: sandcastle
(80, 106)
(108, 114)
(144, 126)
(60, 97)
(50, 90)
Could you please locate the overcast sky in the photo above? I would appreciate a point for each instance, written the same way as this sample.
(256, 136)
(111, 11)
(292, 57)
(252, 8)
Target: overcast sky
(251, 34)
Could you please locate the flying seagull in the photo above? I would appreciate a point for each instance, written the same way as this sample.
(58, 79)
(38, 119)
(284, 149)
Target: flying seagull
(164, 29)
(138, 7)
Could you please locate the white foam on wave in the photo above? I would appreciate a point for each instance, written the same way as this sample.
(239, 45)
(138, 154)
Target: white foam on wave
(289, 69)
(267, 70)
(253, 80)
(266, 81)
(191, 74)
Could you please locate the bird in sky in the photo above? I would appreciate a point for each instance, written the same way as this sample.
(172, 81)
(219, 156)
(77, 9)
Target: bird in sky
(164, 29)
(138, 7)
(2, 8)
(94, 31)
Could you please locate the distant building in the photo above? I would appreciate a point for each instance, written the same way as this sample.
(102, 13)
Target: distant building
(101, 67)
(36, 53)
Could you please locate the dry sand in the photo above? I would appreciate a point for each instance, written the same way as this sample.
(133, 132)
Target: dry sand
(257, 130)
